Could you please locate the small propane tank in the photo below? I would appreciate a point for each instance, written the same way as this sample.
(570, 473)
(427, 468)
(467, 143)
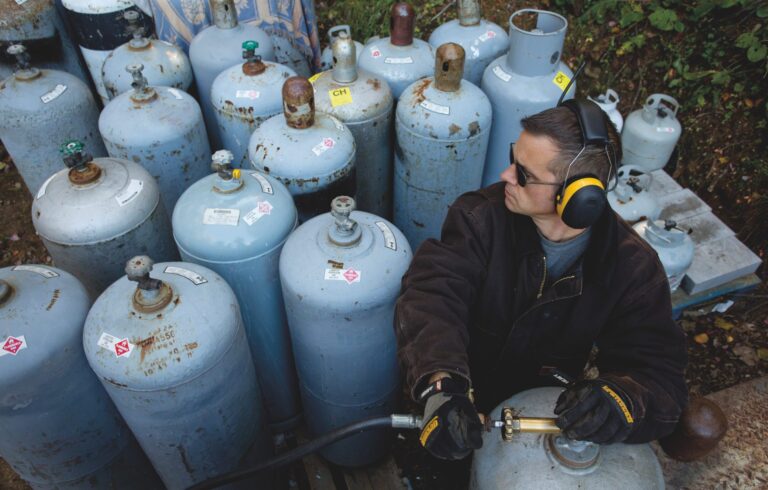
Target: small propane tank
(482, 40)
(37, 25)
(160, 128)
(60, 429)
(39, 110)
(216, 48)
(165, 63)
(95, 215)
(551, 461)
(442, 126)
(340, 274)
(172, 354)
(244, 96)
(236, 224)
(651, 133)
(608, 102)
(364, 103)
(523, 82)
(326, 58)
(399, 59)
(673, 246)
(312, 153)
(630, 198)
(99, 28)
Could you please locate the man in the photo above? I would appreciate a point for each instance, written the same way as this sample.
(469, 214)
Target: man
(511, 291)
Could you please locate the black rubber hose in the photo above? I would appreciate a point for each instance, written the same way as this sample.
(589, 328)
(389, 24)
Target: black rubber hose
(294, 454)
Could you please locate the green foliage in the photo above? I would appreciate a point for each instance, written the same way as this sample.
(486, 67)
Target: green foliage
(665, 20)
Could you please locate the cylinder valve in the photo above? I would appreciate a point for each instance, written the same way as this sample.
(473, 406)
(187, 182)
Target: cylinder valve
(345, 231)
(253, 64)
(151, 294)
(298, 103)
(142, 92)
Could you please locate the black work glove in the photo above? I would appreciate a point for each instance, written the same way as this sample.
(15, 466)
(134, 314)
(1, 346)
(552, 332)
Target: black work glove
(596, 411)
(451, 427)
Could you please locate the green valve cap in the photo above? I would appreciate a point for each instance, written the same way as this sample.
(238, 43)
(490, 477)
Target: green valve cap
(250, 45)
(71, 147)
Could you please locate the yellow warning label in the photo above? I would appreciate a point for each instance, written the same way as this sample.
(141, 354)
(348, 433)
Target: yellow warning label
(619, 402)
(315, 77)
(561, 80)
(340, 96)
(428, 429)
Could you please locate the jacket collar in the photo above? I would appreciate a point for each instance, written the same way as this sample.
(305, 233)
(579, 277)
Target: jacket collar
(600, 257)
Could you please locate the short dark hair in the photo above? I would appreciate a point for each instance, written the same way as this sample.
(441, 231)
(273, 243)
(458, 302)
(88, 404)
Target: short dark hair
(561, 126)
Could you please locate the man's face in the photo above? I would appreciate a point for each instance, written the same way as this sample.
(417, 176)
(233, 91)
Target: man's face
(534, 154)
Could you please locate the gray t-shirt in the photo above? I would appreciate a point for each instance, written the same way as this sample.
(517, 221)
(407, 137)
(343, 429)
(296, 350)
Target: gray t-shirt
(562, 255)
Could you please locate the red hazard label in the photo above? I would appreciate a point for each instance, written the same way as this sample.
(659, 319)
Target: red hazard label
(122, 347)
(13, 345)
(351, 275)
(375, 53)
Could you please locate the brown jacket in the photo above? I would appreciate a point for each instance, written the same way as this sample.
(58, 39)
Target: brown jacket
(477, 304)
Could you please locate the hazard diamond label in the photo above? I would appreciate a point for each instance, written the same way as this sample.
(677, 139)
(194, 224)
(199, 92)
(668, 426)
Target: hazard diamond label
(12, 345)
(119, 347)
(351, 275)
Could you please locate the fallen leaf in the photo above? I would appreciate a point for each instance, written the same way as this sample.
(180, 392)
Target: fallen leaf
(729, 339)
(747, 355)
(14, 238)
(724, 324)
(702, 338)
(762, 353)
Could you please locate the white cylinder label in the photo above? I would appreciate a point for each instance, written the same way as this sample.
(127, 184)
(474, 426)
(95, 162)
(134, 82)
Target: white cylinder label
(196, 278)
(431, 106)
(266, 187)
(53, 93)
(389, 238)
(37, 270)
(501, 73)
(220, 216)
(130, 192)
(398, 61)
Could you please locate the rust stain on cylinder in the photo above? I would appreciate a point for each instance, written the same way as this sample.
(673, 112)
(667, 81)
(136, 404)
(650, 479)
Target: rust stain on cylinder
(701, 426)
(401, 24)
(449, 67)
(89, 174)
(298, 103)
(255, 67)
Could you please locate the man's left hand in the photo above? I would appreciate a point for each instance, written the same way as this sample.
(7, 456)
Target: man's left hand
(596, 411)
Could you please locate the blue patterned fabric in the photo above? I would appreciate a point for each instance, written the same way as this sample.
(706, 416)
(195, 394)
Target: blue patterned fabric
(178, 21)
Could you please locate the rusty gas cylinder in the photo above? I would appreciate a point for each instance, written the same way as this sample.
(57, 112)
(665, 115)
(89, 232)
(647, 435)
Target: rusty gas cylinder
(312, 153)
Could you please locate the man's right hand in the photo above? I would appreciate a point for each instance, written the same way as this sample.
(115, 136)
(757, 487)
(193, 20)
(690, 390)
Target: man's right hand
(451, 428)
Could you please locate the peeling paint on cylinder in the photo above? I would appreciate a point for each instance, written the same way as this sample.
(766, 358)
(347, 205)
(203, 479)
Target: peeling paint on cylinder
(399, 59)
(340, 290)
(245, 251)
(165, 64)
(243, 101)
(59, 431)
(442, 138)
(528, 79)
(311, 153)
(91, 230)
(40, 113)
(218, 47)
(164, 134)
(364, 103)
(482, 40)
(186, 385)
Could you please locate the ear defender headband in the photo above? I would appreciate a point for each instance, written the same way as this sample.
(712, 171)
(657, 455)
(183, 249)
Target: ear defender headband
(582, 198)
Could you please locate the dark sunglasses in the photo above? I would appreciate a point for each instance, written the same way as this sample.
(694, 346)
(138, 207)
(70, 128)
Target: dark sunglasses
(523, 177)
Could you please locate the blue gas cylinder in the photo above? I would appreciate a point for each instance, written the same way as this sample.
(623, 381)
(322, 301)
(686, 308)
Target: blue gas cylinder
(236, 224)
(312, 153)
(399, 59)
(442, 128)
(340, 274)
(528, 79)
(482, 40)
(60, 429)
(172, 354)
(160, 128)
(244, 96)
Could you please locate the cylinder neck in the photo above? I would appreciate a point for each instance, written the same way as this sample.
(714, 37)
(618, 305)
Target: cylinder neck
(23, 71)
(141, 91)
(401, 24)
(82, 169)
(229, 179)
(344, 59)
(535, 51)
(253, 65)
(344, 232)
(151, 294)
(469, 12)
(298, 103)
(449, 67)
(224, 14)
(136, 30)
(576, 456)
(6, 290)
(664, 233)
